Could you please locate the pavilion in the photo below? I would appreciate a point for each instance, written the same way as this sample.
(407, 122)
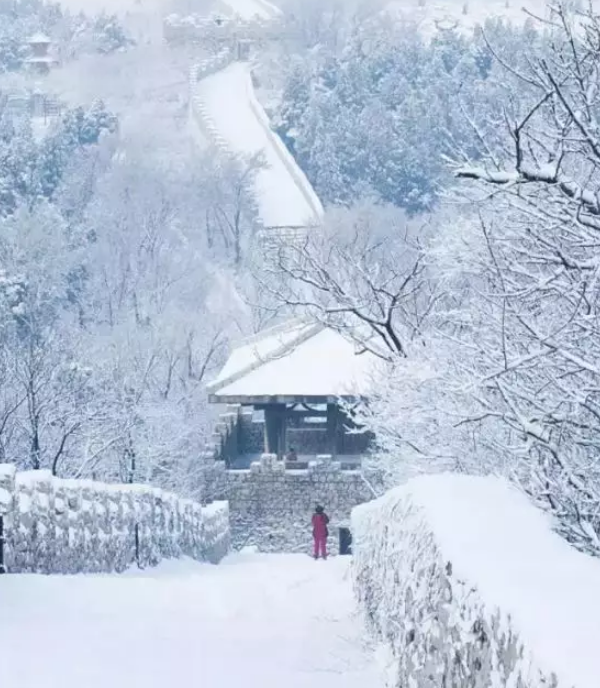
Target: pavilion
(41, 58)
(298, 380)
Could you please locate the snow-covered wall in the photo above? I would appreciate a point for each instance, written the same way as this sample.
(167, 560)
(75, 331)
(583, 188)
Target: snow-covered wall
(287, 159)
(72, 526)
(465, 584)
(208, 66)
(253, 9)
(225, 109)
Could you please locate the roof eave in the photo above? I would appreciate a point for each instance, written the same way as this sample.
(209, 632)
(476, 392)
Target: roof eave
(261, 399)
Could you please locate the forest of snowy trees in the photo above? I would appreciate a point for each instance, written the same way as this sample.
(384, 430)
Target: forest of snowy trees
(374, 107)
(485, 309)
(75, 34)
(115, 295)
(460, 175)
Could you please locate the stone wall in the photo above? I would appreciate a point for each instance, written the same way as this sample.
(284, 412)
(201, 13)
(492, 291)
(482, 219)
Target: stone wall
(271, 507)
(73, 526)
(217, 29)
(457, 574)
(252, 434)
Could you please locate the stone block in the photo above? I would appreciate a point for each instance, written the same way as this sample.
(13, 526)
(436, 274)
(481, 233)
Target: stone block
(7, 488)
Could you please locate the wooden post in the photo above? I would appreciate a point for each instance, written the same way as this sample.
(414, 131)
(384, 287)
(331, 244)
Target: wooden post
(137, 546)
(2, 542)
(273, 429)
(284, 426)
(333, 413)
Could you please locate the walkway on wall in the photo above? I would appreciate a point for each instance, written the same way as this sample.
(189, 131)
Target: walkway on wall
(261, 621)
(252, 9)
(232, 115)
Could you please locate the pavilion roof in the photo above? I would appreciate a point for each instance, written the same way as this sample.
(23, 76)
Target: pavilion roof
(293, 362)
(39, 39)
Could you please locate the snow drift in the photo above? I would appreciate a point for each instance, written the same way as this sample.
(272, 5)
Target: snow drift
(465, 583)
(72, 526)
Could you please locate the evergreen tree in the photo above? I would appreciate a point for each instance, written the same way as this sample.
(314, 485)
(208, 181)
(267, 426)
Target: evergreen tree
(380, 114)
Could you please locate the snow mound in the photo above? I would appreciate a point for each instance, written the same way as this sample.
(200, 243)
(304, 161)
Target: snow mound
(462, 575)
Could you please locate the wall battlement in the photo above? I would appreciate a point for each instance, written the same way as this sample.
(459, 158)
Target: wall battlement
(271, 507)
(80, 526)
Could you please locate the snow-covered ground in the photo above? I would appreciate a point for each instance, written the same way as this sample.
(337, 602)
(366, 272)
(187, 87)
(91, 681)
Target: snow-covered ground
(258, 621)
(283, 195)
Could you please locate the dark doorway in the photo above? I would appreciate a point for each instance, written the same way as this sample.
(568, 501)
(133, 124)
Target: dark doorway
(345, 541)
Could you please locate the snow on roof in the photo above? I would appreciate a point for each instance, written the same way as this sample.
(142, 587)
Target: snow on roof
(301, 360)
(39, 38)
(255, 351)
(283, 194)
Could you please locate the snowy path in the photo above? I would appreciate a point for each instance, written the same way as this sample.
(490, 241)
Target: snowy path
(251, 9)
(284, 196)
(258, 621)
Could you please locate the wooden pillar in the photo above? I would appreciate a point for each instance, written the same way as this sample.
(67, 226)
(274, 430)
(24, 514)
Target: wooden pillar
(274, 415)
(333, 415)
(283, 448)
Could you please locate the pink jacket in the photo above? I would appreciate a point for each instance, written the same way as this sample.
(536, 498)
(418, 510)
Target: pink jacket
(319, 524)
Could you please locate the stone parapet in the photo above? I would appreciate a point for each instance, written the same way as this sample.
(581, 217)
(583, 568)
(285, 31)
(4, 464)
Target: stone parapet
(271, 507)
(72, 526)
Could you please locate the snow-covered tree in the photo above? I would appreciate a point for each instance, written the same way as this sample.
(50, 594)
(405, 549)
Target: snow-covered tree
(530, 317)
(33, 170)
(362, 274)
(378, 111)
(109, 34)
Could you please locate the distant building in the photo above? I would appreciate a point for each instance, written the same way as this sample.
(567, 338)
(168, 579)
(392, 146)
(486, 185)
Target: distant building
(217, 31)
(41, 59)
(30, 103)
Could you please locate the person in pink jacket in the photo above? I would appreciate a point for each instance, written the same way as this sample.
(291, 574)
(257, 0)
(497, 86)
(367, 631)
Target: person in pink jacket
(320, 532)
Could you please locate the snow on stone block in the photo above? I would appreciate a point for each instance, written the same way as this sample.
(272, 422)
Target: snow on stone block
(461, 578)
(7, 487)
(81, 526)
(216, 539)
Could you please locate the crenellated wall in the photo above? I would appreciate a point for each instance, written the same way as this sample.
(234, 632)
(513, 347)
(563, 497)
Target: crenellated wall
(271, 507)
(464, 584)
(230, 90)
(72, 526)
(210, 65)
